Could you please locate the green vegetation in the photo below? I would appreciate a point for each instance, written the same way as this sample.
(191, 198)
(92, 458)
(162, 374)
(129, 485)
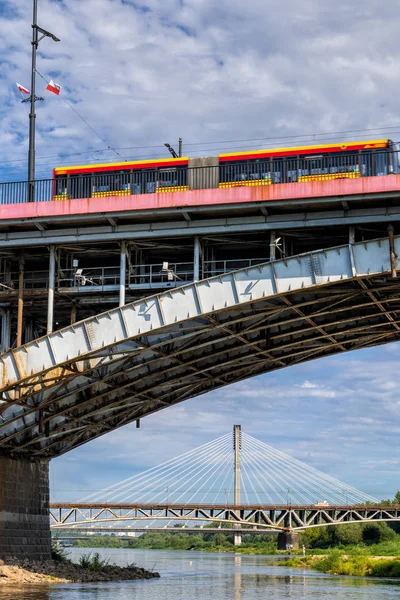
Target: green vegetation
(58, 554)
(93, 563)
(356, 549)
(210, 542)
(354, 563)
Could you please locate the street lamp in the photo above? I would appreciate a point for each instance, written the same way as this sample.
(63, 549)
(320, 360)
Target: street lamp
(32, 115)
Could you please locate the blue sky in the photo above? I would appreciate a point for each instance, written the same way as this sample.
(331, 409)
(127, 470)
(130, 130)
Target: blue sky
(211, 71)
(341, 415)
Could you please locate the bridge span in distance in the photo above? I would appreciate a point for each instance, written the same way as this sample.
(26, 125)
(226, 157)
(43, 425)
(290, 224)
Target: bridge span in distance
(241, 487)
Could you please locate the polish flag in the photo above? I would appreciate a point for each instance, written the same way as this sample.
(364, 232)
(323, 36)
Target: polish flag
(54, 87)
(22, 89)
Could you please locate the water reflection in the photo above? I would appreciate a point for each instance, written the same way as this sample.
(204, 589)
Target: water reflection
(203, 576)
(24, 592)
(237, 577)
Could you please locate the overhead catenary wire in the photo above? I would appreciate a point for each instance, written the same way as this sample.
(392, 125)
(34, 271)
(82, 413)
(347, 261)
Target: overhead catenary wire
(320, 137)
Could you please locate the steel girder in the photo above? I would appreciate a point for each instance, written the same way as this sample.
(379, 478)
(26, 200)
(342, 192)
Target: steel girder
(76, 384)
(286, 518)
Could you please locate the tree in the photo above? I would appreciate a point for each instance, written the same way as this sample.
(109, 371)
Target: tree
(374, 533)
(316, 537)
(348, 534)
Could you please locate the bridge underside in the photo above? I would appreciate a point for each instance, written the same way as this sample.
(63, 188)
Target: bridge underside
(81, 382)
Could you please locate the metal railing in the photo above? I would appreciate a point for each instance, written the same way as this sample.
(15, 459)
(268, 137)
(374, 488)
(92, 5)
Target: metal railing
(138, 276)
(99, 277)
(33, 280)
(219, 267)
(226, 175)
(154, 274)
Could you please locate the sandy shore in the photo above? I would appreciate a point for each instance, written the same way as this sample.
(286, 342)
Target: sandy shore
(39, 572)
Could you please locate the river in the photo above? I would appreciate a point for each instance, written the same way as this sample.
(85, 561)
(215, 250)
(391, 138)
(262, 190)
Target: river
(205, 576)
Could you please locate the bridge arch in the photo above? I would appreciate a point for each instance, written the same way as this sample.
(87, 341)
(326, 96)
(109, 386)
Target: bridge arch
(76, 384)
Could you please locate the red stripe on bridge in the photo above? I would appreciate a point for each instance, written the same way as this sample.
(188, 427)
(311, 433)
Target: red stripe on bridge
(195, 198)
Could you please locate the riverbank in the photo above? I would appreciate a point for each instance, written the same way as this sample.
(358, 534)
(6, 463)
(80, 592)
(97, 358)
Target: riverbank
(339, 563)
(37, 572)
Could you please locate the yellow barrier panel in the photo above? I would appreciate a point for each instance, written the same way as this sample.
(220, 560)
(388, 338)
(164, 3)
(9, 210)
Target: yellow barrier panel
(174, 188)
(328, 176)
(111, 193)
(247, 183)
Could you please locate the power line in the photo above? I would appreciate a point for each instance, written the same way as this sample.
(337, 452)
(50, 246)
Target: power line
(237, 141)
(61, 160)
(82, 118)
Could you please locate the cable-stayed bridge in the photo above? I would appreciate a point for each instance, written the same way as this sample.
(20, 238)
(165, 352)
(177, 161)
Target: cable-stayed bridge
(245, 485)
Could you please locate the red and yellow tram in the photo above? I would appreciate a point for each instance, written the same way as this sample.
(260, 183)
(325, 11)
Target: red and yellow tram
(346, 160)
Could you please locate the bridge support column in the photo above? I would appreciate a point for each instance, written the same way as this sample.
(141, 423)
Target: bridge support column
(122, 274)
(272, 246)
(288, 540)
(24, 509)
(20, 317)
(52, 283)
(196, 259)
(237, 443)
(5, 330)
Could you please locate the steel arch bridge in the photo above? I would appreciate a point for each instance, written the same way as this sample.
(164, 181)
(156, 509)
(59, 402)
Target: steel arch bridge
(261, 519)
(76, 384)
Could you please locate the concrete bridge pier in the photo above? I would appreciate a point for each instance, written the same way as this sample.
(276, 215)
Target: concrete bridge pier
(287, 540)
(24, 509)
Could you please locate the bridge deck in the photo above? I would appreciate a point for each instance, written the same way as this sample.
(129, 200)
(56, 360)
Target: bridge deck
(267, 518)
(198, 212)
(149, 202)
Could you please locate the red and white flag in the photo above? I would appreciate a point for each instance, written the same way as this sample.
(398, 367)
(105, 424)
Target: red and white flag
(22, 89)
(54, 87)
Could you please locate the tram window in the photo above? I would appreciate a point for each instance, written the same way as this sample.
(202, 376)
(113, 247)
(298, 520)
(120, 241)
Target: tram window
(381, 164)
(167, 178)
(79, 186)
(61, 186)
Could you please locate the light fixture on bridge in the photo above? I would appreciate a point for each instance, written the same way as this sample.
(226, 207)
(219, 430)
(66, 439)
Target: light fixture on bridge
(171, 275)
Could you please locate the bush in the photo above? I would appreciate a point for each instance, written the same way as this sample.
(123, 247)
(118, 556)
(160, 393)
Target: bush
(386, 568)
(58, 554)
(348, 534)
(93, 563)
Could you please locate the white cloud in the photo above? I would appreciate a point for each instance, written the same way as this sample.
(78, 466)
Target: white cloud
(145, 73)
(308, 385)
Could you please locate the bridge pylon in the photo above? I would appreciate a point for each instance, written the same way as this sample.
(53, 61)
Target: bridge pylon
(237, 446)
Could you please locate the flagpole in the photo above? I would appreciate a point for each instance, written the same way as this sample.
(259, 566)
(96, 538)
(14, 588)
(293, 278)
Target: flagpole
(32, 115)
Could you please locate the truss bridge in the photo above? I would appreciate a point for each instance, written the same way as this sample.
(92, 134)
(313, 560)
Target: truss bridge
(247, 487)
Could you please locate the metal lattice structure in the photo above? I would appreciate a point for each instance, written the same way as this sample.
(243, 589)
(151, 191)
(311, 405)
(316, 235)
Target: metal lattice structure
(76, 384)
(112, 517)
(278, 493)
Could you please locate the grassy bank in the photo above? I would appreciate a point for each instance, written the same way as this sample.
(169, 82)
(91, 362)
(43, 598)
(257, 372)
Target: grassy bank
(338, 562)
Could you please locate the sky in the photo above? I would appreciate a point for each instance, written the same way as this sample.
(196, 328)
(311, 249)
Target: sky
(223, 75)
